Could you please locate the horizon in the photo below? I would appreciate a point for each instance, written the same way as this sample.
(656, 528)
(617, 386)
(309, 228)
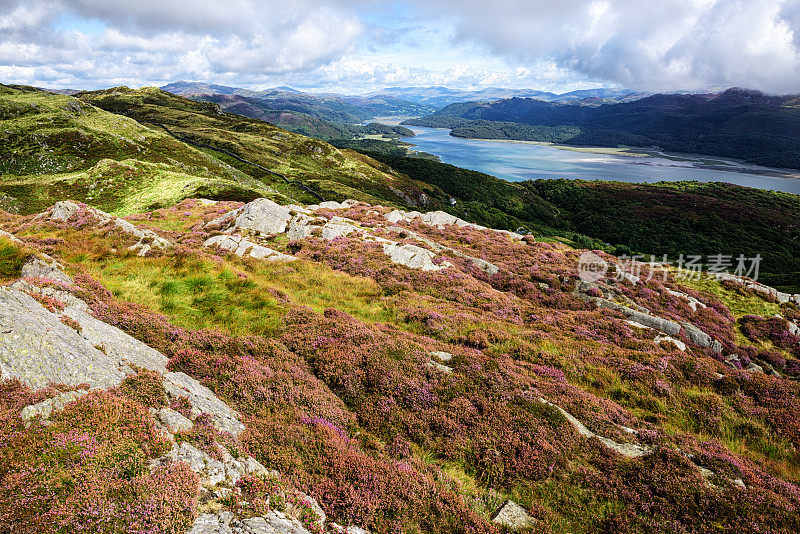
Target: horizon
(355, 47)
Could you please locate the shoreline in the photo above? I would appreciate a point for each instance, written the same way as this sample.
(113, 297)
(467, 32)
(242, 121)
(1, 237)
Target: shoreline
(694, 160)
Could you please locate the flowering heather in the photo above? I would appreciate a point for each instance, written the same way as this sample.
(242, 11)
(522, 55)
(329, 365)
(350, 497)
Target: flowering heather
(405, 400)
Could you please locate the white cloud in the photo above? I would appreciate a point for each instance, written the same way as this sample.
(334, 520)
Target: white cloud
(670, 44)
(360, 45)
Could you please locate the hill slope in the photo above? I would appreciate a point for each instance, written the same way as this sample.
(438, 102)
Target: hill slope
(399, 372)
(736, 123)
(128, 150)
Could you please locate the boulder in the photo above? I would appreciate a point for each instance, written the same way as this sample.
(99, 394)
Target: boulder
(669, 339)
(261, 216)
(48, 268)
(202, 399)
(513, 517)
(394, 216)
(225, 523)
(174, 421)
(699, 337)
(413, 256)
(37, 348)
(54, 404)
(244, 247)
(337, 227)
(63, 210)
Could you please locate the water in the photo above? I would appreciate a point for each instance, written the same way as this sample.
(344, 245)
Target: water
(522, 161)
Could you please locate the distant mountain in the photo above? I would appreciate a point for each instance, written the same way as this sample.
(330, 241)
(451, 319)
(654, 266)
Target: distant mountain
(330, 106)
(439, 97)
(735, 123)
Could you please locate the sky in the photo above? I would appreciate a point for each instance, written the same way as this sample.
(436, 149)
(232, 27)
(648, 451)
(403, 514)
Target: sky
(357, 46)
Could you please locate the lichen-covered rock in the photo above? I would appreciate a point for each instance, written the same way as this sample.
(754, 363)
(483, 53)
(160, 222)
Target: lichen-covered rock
(174, 421)
(244, 247)
(413, 256)
(337, 227)
(224, 418)
(513, 517)
(54, 404)
(63, 210)
(225, 523)
(37, 348)
(48, 268)
(261, 216)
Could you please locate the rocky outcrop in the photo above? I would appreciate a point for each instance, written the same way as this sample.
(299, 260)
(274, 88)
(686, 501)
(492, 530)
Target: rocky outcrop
(631, 450)
(174, 421)
(147, 239)
(261, 216)
(203, 400)
(769, 292)
(244, 247)
(671, 328)
(54, 404)
(37, 348)
(513, 517)
(47, 268)
(413, 256)
(226, 523)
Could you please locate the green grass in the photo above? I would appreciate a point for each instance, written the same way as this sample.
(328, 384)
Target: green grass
(12, 258)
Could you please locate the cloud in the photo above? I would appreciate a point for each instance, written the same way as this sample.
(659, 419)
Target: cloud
(159, 40)
(360, 45)
(665, 45)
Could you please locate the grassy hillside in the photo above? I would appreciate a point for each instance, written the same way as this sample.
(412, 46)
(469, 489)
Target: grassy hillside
(403, 400)
(127, 150)
(55, 146)
(669, 218)
(333, 174)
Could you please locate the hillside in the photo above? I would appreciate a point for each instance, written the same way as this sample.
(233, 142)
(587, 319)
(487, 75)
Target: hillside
(270, 154)
(440, 97)
(677, 219)
(128, 150)
(220, 367)
(335, 108)
(736, 123)
(299, 118)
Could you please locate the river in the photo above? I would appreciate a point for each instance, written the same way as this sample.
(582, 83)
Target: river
(517, 161)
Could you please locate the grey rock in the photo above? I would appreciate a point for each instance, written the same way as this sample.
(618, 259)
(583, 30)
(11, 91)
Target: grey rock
(701, 338)
(63, 210)
(262, 216)
(513, 517)
(439, 367)
(212, 524)
(47, 407)
(629, 450)
(441, 356)
(352, 529)
(394, 216)
(313, 504)
(174, 421)
(337, 227)
(669, 339)
(37, 348)
(117, 344)
(48, 268)
(244, 247)
(440, 219)
(413, 256)
(223, 417)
